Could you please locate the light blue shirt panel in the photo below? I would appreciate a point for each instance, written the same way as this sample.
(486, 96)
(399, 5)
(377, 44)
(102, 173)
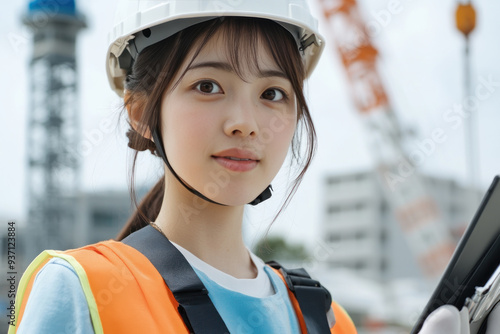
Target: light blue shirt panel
(56, 304)
(244, 314)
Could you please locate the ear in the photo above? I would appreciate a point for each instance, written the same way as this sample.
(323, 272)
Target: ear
(135, 109)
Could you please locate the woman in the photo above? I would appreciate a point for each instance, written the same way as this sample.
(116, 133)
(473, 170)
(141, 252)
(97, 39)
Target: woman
(217, 92)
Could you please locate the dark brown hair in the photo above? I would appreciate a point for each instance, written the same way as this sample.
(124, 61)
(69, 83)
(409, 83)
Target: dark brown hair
(157, 65)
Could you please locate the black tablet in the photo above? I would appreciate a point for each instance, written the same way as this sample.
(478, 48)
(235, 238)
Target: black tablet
(475, 259)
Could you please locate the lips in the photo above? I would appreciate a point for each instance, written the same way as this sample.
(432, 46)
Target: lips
(237, 160)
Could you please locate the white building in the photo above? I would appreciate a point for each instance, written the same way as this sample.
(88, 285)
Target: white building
(102, 215)
(359, 226)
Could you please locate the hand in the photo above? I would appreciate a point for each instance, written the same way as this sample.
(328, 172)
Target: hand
(447, 319)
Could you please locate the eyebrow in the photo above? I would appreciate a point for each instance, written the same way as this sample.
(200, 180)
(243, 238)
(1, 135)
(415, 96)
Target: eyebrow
(228, 68)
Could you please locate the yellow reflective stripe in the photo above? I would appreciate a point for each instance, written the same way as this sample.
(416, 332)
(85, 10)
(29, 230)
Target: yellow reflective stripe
(82, 275)
(21, 289)
(84, 281)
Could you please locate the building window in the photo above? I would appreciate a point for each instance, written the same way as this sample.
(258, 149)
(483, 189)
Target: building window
(359, 206)
(333, 237)
(334, 209)
(359, 177)
(104, 218)
(360, 235)
(359, 265)
(333, 180)
(384, 206)
(383, 264)
(383, 236)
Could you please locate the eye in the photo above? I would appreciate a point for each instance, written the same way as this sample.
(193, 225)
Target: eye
(274, 94)
(208, 87)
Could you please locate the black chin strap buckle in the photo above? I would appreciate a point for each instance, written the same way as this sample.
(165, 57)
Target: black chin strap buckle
(266, 194)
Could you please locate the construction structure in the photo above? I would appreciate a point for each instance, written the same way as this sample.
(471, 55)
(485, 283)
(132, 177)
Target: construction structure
(465, 18)
(102, 214)
(416, 212)
(358, 223)
(53, 176)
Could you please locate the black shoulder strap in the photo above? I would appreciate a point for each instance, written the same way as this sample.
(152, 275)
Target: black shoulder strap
(195, 307)
(314, 299)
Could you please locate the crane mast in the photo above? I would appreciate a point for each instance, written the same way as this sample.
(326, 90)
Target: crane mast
(417, 213)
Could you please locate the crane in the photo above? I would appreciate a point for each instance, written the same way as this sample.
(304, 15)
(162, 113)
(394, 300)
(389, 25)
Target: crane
(417, 213)
(465, 19)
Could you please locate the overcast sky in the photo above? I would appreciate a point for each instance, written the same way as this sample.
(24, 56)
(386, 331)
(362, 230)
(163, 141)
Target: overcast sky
(421, 61)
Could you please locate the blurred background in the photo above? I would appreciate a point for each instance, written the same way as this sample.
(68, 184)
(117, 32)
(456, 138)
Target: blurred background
(405, 100)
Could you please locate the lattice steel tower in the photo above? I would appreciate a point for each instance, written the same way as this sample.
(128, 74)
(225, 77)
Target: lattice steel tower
(53, 125)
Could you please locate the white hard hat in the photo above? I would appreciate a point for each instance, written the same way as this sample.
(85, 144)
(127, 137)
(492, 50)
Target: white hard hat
(165, 18)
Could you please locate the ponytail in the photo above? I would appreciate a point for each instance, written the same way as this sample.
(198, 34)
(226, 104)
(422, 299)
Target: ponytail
(146, 211)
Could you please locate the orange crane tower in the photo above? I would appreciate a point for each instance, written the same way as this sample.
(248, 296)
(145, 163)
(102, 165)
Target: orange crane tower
(417, 213)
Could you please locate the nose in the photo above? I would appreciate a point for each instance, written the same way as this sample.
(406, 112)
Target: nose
(241, 120)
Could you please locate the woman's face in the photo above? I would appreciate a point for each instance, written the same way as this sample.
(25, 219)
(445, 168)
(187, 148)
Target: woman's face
(225, 136)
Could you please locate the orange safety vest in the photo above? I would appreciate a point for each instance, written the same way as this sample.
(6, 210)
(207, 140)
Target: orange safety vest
(126, 294)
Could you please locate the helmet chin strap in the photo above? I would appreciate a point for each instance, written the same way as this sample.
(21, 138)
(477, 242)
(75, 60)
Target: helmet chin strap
(266, 194)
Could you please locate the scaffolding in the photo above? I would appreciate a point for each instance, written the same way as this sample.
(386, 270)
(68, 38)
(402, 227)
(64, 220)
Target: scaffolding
(53, 178)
